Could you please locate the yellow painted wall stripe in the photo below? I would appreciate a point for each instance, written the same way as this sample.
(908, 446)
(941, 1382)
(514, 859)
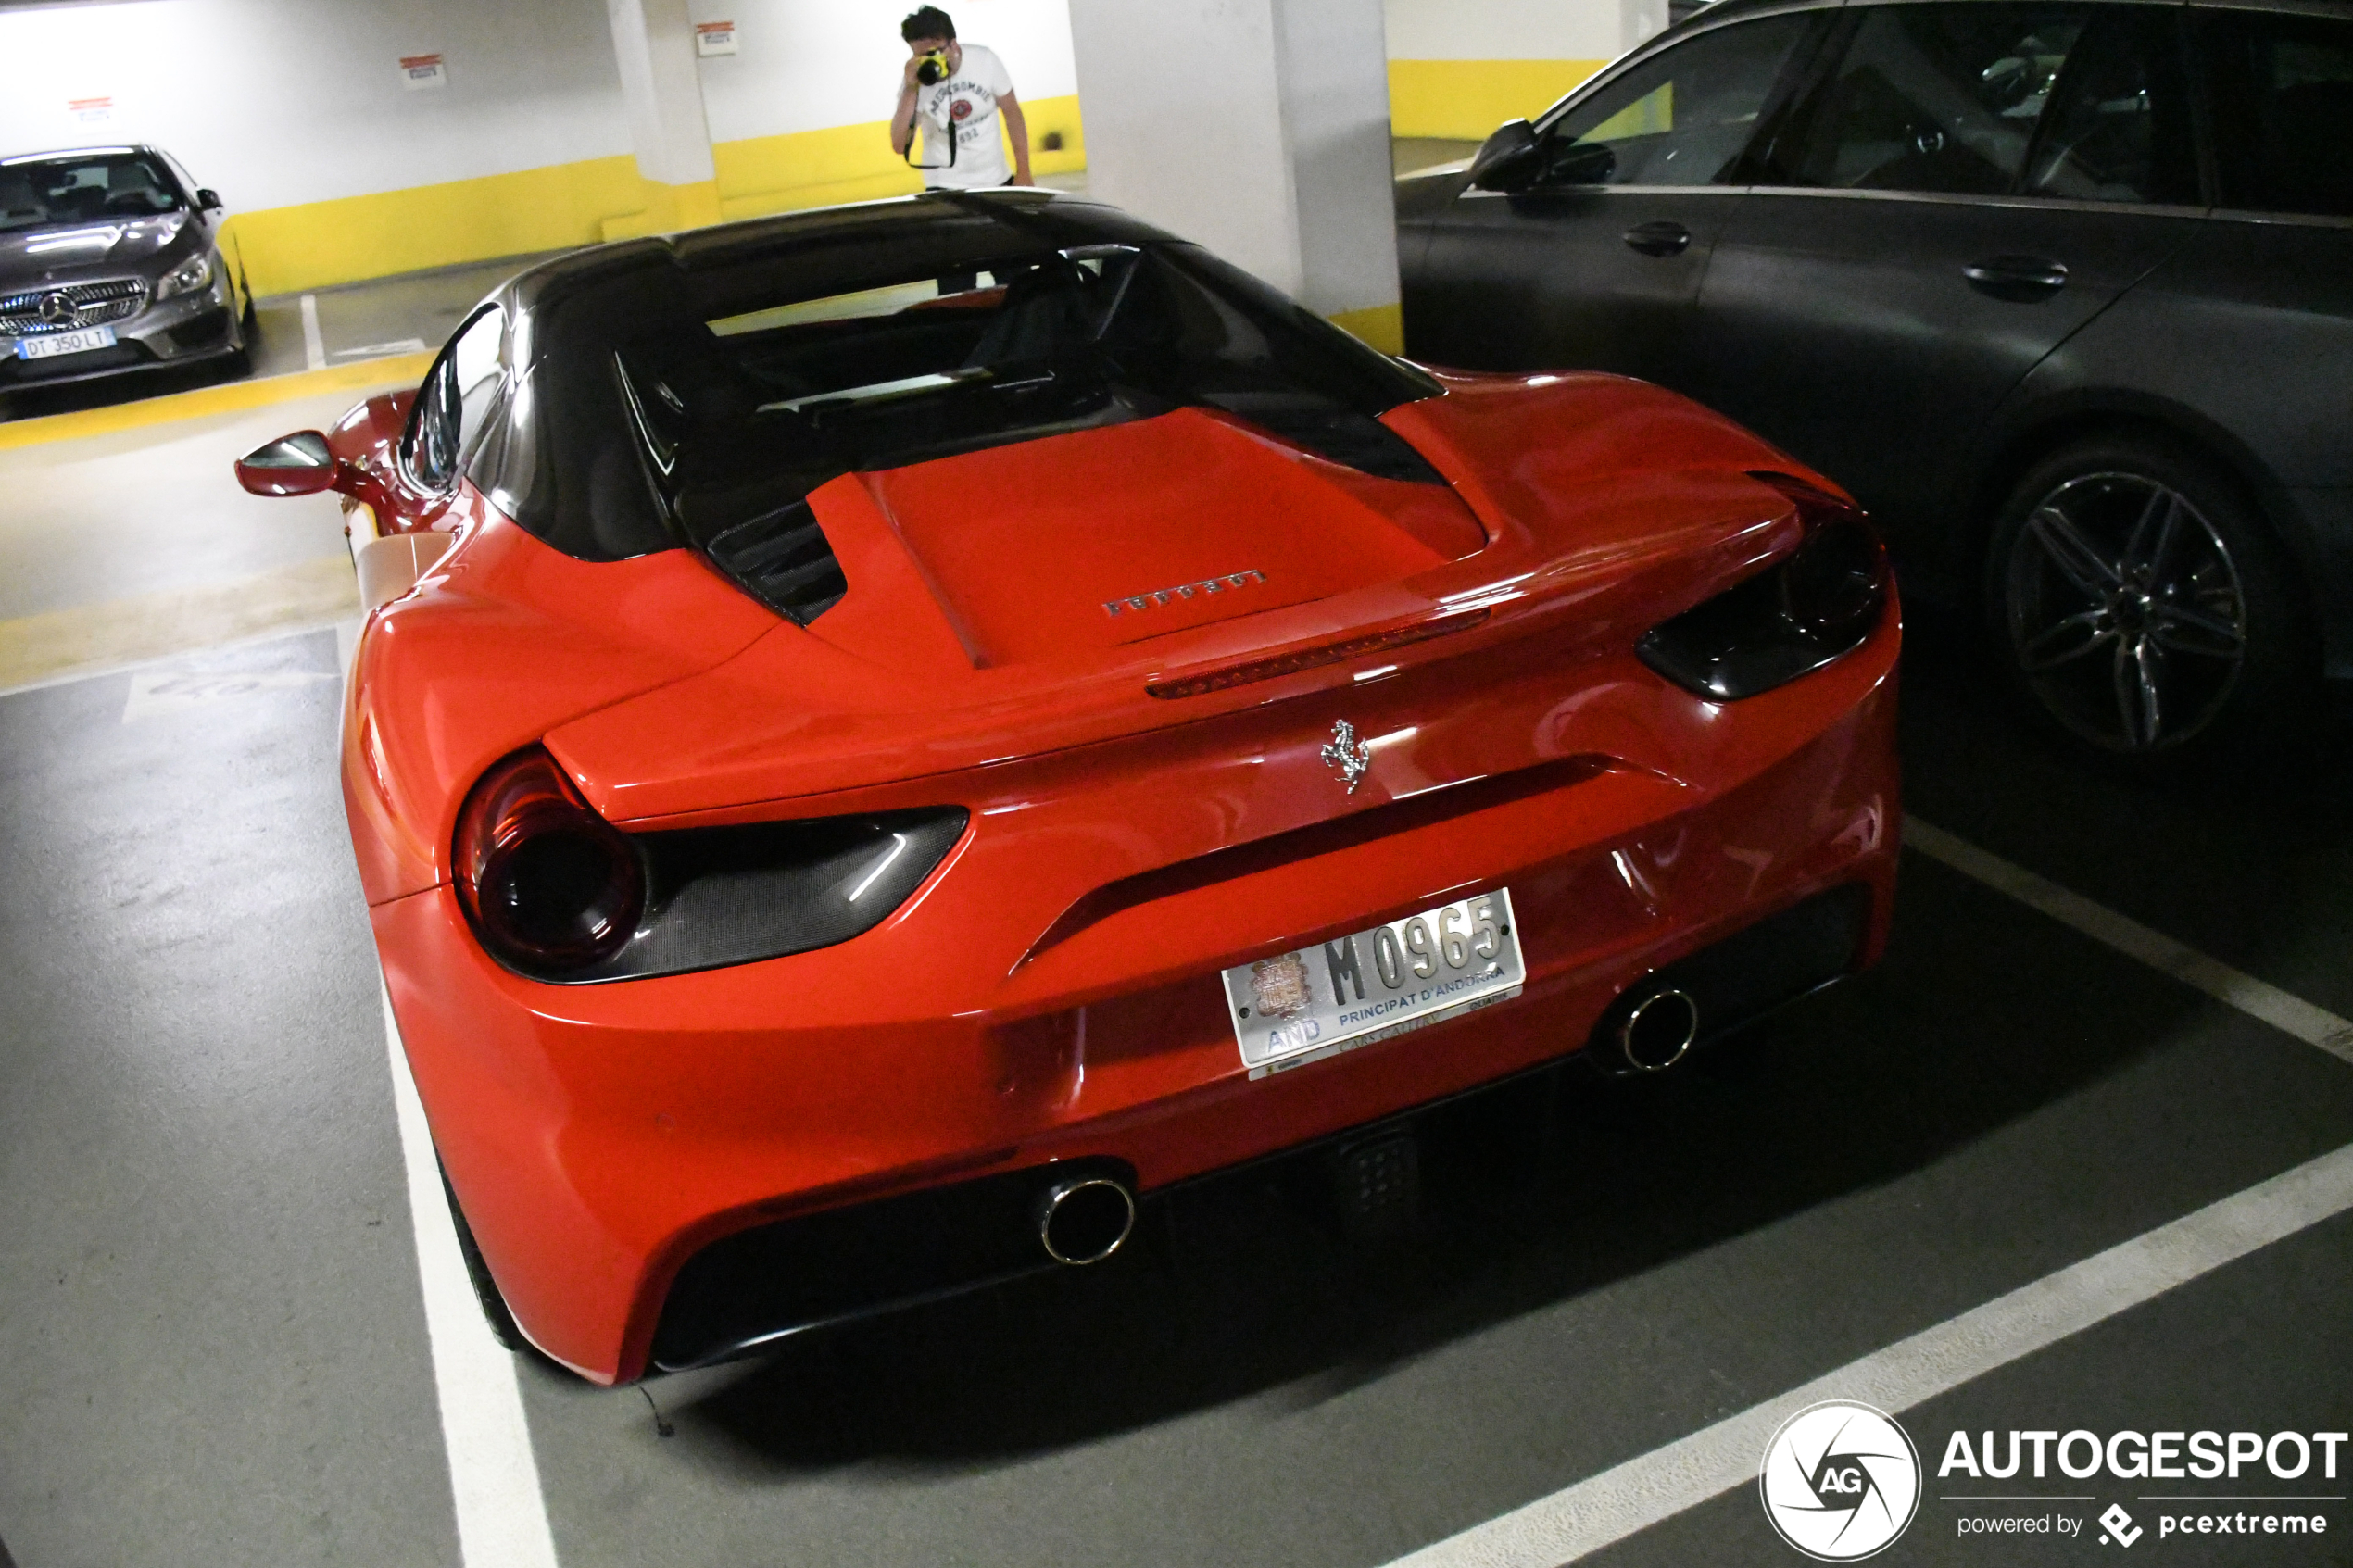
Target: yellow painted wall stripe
(317, 245)
(1382, 326)
(851, 163)
(667, 210)
(363, 376)
(845, 163)
(1466, 99)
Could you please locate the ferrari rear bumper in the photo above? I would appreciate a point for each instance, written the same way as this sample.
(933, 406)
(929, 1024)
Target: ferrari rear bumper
(749, 1290)
(717, 1144)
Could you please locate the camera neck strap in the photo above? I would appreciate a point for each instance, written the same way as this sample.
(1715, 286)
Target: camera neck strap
(949, 130)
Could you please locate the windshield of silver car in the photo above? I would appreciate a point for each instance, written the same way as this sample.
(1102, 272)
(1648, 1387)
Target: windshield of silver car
(83, 188)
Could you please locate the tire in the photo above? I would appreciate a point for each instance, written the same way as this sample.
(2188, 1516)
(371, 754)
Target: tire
(2141, 607)
(486, 1291)
(240, 364)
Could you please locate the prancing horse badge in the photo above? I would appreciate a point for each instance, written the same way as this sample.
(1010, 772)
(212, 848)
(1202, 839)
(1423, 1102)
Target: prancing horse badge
(1343, 753)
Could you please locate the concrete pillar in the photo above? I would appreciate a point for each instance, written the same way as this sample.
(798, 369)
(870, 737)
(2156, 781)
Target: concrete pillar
(1259, 128)
(653, 41)
(1458, 69)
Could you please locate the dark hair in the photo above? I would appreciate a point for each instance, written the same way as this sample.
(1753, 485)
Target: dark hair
(928, 22)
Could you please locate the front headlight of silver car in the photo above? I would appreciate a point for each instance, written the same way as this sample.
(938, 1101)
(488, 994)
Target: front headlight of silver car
(188, 277)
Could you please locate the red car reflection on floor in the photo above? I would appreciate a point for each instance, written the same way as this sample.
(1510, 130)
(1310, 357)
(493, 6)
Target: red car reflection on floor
(888, 738)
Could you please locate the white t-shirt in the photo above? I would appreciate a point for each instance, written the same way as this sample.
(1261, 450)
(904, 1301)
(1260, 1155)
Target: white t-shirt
(968, 101)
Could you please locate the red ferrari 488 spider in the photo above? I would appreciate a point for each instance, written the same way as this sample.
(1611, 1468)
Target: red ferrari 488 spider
(887, 737)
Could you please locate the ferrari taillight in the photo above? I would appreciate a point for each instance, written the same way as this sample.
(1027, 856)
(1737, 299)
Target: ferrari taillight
(1835, 584)
(550, 886)
(1818, 602)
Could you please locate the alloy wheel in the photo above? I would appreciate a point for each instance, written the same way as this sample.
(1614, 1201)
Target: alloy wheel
(2127, 616)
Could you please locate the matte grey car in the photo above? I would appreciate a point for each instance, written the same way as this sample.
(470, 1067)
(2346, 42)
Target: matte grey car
(2061, 290)
(110, 262)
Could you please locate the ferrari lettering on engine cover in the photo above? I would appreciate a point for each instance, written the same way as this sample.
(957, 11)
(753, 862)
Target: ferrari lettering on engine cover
(1116, 608)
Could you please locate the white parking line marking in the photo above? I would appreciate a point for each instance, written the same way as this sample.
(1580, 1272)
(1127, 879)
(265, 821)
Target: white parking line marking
(502, 1518)
(1609, 1507)
(379, 350)
(155, 693)
(314, 347)
(2290, 1015)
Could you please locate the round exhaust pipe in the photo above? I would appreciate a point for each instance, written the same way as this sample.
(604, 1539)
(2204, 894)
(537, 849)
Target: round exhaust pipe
(1084, 1219)
(1660, 1029)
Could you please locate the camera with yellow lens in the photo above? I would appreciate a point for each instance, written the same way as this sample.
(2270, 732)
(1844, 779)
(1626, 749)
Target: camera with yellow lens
(932, 68)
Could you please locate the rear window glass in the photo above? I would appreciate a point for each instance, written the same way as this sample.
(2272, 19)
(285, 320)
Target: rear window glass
(735, 397)
(84, 188)
(1937, 98)
(2283, 112)
(2118, 125)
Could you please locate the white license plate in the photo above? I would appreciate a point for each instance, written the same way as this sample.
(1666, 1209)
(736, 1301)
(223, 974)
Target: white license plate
(1300, 1007)
(79, 342)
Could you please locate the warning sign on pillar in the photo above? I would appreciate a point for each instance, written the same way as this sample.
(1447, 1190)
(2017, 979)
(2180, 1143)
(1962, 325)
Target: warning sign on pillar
(89, 111)
(714, 38)
(421, 73)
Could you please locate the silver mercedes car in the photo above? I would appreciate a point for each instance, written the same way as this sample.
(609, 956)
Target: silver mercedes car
(110, 262)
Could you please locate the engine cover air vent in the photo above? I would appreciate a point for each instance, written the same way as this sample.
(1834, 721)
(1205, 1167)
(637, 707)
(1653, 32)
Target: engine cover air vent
(782, 560)
(1331, 431)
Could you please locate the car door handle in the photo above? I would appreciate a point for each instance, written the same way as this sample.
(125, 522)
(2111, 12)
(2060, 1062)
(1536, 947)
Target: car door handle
(1665, 237)
(2017, 276)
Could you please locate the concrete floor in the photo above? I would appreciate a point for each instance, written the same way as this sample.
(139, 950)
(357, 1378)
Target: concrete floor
(373, 320)
(208, 1271)
(155, 510)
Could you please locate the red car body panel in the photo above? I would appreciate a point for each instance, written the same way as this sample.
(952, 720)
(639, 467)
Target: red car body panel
(1050, 992)
(1636, 544)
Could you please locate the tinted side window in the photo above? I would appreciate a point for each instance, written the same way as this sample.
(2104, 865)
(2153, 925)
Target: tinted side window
(458, 392)
(2283, 111)
(187, 181)
(1939, 98)
(1680, 119)
(2119, 126)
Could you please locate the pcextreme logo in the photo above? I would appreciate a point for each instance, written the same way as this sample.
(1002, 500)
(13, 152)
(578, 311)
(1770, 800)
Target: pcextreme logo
(1840, 1481)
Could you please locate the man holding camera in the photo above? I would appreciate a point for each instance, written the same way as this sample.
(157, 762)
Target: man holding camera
(957, 90)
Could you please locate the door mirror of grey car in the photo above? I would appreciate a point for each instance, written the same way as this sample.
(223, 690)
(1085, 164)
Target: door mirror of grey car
(1584, 163)
(208, 199)
(1506, 159)
(299, 464)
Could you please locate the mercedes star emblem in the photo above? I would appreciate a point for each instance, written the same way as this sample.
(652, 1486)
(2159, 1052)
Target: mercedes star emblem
(58, 309)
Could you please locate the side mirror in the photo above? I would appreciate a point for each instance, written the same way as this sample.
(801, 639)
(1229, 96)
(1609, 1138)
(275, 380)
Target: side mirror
(208, 199)
(299, 464)
(1587, 163)
(1510, 151)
